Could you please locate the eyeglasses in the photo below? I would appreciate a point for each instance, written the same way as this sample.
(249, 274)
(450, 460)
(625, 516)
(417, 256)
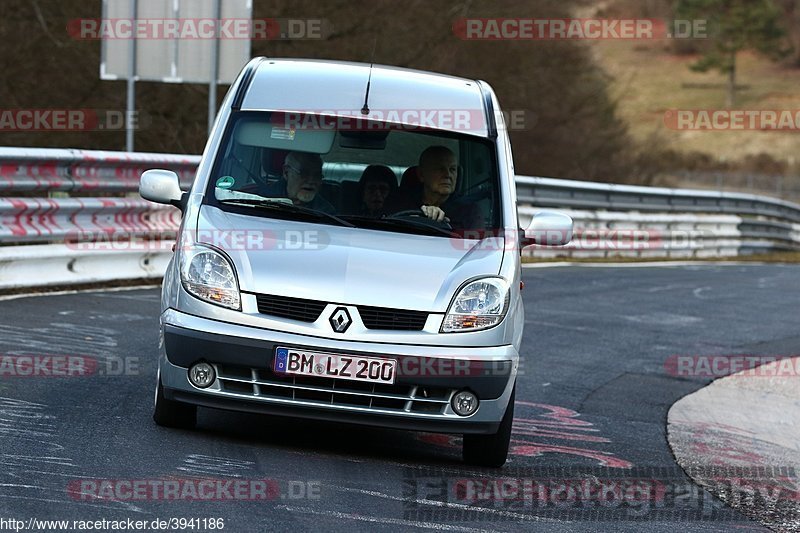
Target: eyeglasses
(314, 175)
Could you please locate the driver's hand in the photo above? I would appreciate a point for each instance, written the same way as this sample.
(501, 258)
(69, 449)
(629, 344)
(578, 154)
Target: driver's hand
(433, 213)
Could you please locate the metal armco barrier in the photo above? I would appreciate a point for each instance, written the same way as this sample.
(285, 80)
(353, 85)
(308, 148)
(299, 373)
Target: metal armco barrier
(64, 264)
(552, 192)
(29, 214)
(762, 224)
(604, 234)
(53, 199)
(28, 220)
(84, 171)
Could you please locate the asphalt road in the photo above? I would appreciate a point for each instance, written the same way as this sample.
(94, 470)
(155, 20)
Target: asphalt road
(594, 395)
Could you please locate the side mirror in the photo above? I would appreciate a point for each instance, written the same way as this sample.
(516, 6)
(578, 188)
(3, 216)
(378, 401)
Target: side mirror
(162, 187)
(548, 228)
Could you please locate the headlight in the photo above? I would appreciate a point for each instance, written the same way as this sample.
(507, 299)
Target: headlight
(480, 304)
(207, 274)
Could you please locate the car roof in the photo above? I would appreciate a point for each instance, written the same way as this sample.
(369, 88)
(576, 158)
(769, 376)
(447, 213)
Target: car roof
(396, 94)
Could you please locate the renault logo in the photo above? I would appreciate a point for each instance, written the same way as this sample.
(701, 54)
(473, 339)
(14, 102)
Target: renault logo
(340, 320)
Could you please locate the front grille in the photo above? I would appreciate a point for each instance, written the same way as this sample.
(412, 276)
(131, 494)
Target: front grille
(293, 308)
(309, 311)
(399, 319)
(263, 383)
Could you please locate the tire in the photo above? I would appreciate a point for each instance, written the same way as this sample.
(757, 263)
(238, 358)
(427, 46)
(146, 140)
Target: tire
(172, 414)
(491, 450)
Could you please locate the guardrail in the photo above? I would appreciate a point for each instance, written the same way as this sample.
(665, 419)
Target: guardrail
(52, 198)
(31, 220)
(760, 224)
(611, 197)
(30, 170)
(606, 234)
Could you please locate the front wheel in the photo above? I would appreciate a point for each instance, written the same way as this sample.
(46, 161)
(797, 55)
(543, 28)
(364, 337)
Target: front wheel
(172, 414)
(491, 450)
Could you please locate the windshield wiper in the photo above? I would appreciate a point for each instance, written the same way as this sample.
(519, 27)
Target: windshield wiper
(420, 227)
(278, 205)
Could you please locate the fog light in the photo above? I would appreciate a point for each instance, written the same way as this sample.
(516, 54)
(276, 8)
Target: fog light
(465, 403)
(202, 375)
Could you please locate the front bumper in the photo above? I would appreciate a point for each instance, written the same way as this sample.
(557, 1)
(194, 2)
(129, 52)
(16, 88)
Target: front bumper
(427, 377)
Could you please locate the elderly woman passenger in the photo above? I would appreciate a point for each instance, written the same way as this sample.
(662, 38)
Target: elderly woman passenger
(377, 183)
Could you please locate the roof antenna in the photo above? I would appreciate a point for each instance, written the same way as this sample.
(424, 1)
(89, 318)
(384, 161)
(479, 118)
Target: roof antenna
(365, 109)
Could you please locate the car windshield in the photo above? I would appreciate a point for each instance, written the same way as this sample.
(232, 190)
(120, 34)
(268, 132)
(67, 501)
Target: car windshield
(353, 172)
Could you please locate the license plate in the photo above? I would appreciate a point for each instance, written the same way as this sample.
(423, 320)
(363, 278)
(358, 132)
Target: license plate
(327, 365)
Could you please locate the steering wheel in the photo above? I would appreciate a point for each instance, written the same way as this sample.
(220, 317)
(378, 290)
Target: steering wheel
(418, 213)
(409, 213)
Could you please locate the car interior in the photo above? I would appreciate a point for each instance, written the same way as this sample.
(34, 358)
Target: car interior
(257, 150)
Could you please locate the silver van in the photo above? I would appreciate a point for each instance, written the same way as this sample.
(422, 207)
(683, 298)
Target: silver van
(350, 251)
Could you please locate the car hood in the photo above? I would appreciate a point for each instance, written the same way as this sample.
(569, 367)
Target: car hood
(347, 265)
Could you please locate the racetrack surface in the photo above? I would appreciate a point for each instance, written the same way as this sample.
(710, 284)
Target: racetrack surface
(594, 393)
